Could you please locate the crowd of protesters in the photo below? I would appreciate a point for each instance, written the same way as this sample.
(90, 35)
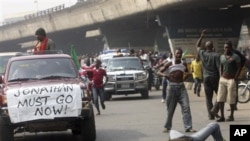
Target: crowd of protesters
(217, 72)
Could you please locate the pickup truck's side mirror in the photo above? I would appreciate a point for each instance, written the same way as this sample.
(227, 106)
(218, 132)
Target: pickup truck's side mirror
(1, 79)
(146, 67)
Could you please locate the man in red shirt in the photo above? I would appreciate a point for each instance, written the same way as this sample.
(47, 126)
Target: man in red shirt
(98, 85)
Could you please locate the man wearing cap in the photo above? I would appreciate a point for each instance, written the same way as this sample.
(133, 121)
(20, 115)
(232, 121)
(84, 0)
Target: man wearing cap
(43, 42)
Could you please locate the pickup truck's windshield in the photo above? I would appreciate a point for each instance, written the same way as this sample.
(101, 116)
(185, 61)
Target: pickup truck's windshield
(124, 64)
(40, 69)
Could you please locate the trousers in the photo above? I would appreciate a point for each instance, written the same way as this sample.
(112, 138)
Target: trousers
(212, 128)
(177, 93)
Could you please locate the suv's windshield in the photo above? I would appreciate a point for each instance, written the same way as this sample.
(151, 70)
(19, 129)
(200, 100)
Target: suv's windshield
(124, 64)
(105, 62)
(41, 69)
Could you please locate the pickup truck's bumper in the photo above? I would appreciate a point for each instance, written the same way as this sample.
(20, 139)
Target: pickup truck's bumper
(54, 124)
(127, 87)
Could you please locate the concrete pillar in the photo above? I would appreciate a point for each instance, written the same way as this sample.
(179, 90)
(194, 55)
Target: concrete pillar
(244, 43)
(105, 42)
(129, 36)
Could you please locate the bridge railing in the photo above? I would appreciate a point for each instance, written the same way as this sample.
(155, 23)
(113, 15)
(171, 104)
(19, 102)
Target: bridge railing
(44, 12)
(80, 3)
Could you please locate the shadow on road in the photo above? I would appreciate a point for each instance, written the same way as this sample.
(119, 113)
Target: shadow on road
(47, 136)
(133, 97)
(123, 135)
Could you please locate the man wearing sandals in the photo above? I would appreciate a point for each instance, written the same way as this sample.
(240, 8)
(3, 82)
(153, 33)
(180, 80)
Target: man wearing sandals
(229, 70)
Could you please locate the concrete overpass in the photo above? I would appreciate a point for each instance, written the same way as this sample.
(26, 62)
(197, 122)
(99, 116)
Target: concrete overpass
(132, 23)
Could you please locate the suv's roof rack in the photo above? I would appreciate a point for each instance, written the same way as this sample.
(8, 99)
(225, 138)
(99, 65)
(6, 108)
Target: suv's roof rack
(119, 55)
(22, 53)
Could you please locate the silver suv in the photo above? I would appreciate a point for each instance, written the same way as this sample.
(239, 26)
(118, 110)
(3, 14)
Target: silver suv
(126, 75)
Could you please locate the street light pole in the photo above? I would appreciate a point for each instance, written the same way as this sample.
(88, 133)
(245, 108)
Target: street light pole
(36, 2)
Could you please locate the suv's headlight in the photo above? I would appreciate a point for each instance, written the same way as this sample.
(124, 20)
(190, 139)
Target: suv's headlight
(140, 76)
(111, 78)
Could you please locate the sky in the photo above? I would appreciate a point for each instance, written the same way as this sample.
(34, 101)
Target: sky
(15, 7)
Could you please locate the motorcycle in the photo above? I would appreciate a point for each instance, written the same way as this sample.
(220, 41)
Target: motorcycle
(156, 80)
(244, 90)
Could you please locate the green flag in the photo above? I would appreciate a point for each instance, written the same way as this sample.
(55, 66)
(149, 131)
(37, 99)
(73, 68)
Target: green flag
(74, 56)
(184, 53)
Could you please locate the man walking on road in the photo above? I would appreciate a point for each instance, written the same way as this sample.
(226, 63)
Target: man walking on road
(210, 63)
(177, 92)
(98, 85)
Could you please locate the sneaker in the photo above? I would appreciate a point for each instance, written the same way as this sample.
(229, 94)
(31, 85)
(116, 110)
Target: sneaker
(230, 118)
(162, 101)
(215, 113)
(211, 118)
(221, 119)
(166, 130)
(103, 106)
(98, 114)
(190, 130)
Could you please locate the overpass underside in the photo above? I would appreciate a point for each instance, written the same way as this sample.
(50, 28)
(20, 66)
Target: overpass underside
(165, 30)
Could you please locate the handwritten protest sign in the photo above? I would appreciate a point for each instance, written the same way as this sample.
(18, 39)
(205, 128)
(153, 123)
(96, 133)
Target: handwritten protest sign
(44, 102)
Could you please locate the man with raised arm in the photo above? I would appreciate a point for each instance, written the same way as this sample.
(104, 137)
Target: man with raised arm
(210, 64)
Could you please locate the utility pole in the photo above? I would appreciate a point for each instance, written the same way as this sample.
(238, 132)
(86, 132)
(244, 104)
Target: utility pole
(36, 2)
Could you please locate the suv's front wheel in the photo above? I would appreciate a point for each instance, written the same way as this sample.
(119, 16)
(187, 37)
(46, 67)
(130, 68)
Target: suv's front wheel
(144, 94)
(6, 132)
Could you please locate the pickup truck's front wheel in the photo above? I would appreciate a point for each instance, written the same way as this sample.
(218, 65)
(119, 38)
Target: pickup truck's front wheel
(144, 94)
(6, 132)
(88, 130)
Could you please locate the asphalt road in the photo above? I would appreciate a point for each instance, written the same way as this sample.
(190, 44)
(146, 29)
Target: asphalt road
(130, 118)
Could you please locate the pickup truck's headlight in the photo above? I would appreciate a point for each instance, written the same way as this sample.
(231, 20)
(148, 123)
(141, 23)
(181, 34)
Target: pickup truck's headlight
(140, 76)
(111, 78)
(3, 100)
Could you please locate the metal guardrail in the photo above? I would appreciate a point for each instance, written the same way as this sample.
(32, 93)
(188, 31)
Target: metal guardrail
(37, 14)
(51, 10)
(44, 12)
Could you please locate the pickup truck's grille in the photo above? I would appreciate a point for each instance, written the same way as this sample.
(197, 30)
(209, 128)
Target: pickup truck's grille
(125, 86)
(124, 78)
